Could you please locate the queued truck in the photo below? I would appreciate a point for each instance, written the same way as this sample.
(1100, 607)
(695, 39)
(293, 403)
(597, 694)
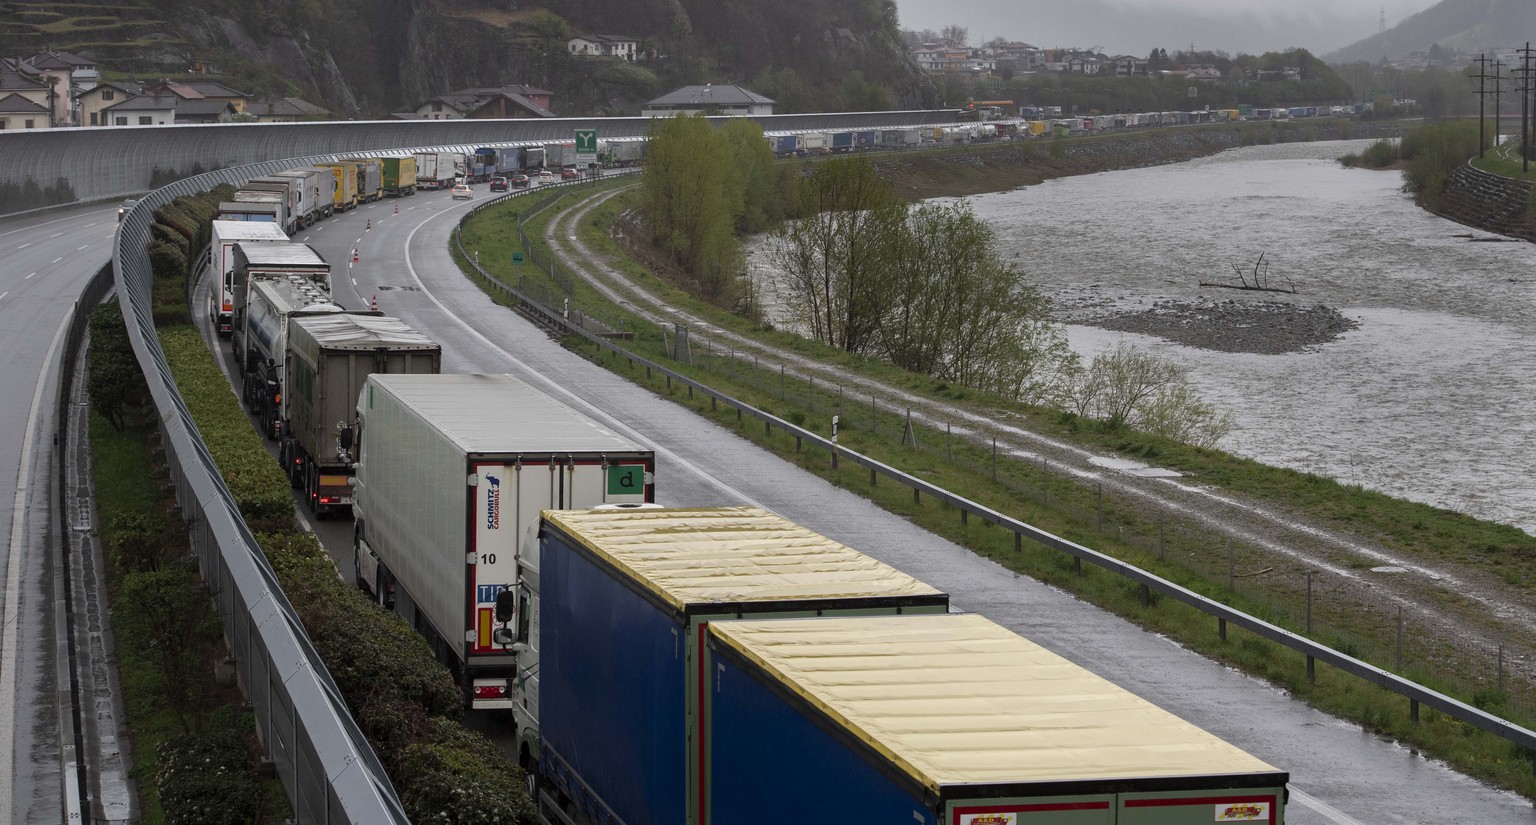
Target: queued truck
(300, 203)
(329, 359)
(438, 170)
(345, 191)
(399, 175)
(370, 178)
(259, 205)
(945, 720)
(451, 471)
(318, 192)
(274, 261)
(611, 617)
(261, 341)
(221, 263)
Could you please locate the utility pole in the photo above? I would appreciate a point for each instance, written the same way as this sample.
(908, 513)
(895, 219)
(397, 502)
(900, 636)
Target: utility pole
(1482, 96)
(1525, 108)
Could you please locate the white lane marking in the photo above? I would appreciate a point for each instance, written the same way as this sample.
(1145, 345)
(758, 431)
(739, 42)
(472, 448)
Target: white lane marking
(555, 388)
(13, 576)
(55, 260)
(29, 277)
(354, 282)
(1329, 812)
(24, 246)
(3, 294)
(36, 226)
(79, 248)
(56, 235)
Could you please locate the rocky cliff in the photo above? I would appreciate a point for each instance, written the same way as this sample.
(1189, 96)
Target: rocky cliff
(366, 58)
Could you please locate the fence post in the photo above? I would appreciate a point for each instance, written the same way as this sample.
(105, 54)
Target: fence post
(1399, 638)
(1501, 669)
(908, 434)
(1309, 603)
(1162, 547)
(873, 421)
(949, 444)
(1099, 508)
(782, 390)
(1231, 566)
(811, 398)
(994, 458)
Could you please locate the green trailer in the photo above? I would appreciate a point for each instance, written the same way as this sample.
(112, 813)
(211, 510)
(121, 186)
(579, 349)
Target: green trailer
(399, 176)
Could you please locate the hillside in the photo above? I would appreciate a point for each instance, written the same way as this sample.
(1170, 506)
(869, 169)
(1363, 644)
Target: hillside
(1464, 25)
(366, 58)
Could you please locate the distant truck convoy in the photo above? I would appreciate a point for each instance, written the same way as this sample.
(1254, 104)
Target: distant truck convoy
(451, 472)
(329, 359)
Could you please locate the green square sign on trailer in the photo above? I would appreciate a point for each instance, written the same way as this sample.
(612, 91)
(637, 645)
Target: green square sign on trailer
(586, 145)
(517, 257)
(625, 479)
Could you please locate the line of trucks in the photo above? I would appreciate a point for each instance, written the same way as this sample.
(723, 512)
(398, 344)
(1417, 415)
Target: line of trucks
(684, 666)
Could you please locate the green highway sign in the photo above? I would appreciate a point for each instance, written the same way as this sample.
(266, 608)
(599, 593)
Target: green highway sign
(586, 144)
(517, 257)
(626, 479)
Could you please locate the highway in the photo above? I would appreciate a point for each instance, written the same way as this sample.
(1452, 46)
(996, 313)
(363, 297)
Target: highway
(46, 262)
(1340, 774)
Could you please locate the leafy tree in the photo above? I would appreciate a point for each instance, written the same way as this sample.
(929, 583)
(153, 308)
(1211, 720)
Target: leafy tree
(1130, 387)
(690, 202)
(756, 176)
(167, 615)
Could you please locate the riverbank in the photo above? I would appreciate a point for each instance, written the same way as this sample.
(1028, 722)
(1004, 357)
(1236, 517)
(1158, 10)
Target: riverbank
(1006, 165)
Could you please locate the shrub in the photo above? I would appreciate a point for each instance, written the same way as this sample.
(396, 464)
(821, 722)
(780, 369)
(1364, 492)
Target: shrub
(208, 780)
(460, 777)
(169, 617)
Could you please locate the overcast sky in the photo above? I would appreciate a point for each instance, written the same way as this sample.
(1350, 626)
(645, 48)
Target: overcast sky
(1138, 26)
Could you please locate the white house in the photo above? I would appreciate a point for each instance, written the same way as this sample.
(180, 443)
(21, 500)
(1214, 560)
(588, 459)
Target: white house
(145, 110)
(604, 45)
(725, 100)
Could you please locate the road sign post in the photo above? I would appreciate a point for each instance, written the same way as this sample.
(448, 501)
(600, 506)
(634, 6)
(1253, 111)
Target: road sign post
(586, 145)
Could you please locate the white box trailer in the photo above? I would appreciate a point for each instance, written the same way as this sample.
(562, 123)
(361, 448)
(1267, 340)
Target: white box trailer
(438, 170)
(221, 264)
(318, 188)
(451, 472)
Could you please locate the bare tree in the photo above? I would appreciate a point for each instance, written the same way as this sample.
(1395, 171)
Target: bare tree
(956, 35)
(1130, 387)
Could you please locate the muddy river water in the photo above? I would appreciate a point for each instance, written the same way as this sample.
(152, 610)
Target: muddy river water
(1432, 397)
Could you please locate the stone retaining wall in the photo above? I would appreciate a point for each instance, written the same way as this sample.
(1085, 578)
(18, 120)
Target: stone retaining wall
(1489, 202)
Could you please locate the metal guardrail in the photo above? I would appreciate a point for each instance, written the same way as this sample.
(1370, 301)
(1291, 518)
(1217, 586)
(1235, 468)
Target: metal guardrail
(324, 762)
(1416, 693)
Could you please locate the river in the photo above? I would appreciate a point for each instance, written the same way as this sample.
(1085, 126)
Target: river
(1428, 399)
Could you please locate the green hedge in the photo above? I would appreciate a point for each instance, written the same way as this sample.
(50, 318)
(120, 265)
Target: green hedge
(260, 489)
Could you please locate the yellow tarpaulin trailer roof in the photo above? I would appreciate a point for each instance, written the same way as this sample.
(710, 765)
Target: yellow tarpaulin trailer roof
(731, 554)
(956, 699)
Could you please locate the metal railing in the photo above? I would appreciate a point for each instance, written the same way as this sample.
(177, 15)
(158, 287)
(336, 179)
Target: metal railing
(320, 755)
(1149, 583)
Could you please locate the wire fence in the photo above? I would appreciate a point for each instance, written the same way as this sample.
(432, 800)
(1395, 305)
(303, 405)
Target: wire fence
(1397, 646)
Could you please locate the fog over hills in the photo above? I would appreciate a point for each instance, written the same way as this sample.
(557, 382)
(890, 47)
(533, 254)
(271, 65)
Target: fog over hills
(1463, 25)
(1138, 26)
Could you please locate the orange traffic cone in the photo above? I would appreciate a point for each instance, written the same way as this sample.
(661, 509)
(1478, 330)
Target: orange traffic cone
(397, 209)
(369, 226)
(354, 255)
(373, 306)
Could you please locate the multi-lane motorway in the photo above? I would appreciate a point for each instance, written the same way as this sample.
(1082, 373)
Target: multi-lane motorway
(1340, 774)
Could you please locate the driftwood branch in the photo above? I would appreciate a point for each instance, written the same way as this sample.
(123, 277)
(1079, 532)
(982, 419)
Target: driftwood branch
(1259, 281)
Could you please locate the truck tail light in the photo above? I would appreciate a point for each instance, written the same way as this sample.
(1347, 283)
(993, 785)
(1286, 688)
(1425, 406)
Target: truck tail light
(490, 691)
(229, 307)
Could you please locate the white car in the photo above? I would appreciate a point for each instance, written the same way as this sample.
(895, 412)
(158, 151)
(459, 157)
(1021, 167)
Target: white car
(462, 193)
(545, 174)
